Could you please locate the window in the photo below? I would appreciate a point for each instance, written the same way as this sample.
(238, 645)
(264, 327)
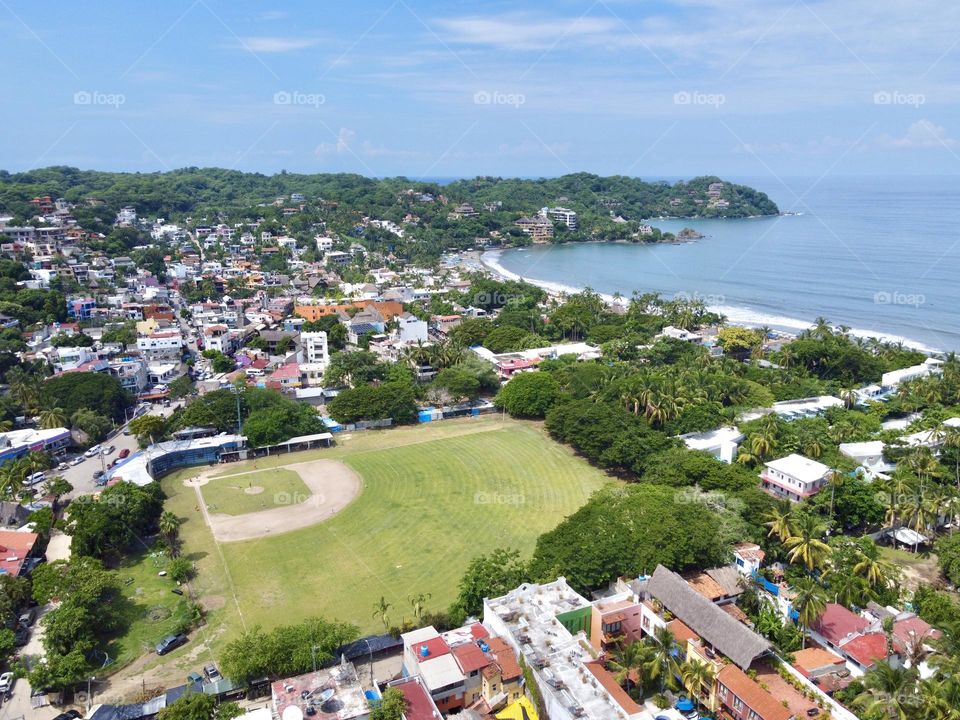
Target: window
(737, 703)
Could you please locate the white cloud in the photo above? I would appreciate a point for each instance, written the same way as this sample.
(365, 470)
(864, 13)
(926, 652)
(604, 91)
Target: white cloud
(526, 32)
(344, 137)
(273, 15)
(277, 44)
(923, 134)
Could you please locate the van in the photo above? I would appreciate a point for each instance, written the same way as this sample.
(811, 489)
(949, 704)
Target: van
(35, 478)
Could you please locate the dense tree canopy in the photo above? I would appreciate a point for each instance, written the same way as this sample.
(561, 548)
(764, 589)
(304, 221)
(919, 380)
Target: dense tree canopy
(98, 392)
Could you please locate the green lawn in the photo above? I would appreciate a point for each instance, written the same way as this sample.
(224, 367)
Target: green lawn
(433, 498)
(150, 609)
(230, 495)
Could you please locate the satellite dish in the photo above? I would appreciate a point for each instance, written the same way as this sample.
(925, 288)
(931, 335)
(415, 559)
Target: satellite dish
(292, 712)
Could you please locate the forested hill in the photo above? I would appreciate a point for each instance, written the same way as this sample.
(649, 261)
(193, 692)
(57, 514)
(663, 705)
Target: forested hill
(211, 190)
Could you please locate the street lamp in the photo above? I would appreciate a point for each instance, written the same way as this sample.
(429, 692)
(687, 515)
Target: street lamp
(89, 681)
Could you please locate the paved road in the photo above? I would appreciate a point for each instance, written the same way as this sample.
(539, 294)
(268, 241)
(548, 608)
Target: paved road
(81, 476)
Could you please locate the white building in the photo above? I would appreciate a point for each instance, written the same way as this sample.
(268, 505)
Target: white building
(560, 214)
(316, 358)
(722, 442)
(794, 477)
(412, 329)
(895, 377)
(161, 345)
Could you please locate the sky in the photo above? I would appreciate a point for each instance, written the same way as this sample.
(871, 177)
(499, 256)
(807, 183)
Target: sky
(799, 88)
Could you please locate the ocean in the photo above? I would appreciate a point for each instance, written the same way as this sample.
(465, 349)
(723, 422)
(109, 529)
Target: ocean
(879, 255)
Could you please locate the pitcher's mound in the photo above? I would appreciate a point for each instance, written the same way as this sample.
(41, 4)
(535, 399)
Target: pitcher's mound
(332, 485)
(253, 490)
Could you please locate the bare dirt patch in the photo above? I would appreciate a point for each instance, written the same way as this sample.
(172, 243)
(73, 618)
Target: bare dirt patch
(332, 485)
(253, 490)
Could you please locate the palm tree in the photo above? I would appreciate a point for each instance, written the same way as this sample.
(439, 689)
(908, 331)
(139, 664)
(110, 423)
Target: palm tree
(849, 397)
(696, 675)
(780, 523)
(417, 604)
(52, 418)
(951, 442)
(810, 601)
(875, 570)
(169, 526)
(631, 661)
(889, 692)
(806, 543)
(663, 663)
(380, 611)
(762, 444)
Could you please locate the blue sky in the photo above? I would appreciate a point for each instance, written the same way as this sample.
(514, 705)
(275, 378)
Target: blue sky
(425, 89)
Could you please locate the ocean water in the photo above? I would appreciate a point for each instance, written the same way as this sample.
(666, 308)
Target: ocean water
(880, 255)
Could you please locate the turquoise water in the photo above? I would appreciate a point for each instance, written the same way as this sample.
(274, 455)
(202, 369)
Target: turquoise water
(881, 255)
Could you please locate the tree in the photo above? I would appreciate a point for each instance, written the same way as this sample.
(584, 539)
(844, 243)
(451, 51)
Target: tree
(149, 428)
(200, 706)
(180, 387)
(810, 602)
(529, 394)
(888, 692)
(365, 402)
(806, 544)
(948, 557)
(631, 661)
(169, 527)
(417, 604)
(98, 392)
(273, 425)
(459, 384)
(124, 514)
(52, 418)
(696, 676)
(392, 706)
(381, 610)
(490, 575)
(663, 661)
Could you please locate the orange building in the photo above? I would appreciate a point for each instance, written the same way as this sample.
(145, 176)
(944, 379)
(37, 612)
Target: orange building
(388, 308)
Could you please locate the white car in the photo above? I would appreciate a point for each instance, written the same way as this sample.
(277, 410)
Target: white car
(77, 460)
(93, 452)
(6, 683)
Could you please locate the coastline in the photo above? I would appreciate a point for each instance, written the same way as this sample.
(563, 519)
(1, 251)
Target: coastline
(735, 315)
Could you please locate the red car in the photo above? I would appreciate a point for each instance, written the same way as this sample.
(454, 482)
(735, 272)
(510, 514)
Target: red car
(124, 453)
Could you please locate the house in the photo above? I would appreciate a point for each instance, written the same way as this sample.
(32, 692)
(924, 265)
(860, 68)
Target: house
(894, 378)
(15, 548)
(462, 211)
(615, 621)
(869, 455)
(794, 477)
(388, 309)
(722, 442)
(744, 699)
(411, 329)
(748, 557)
(718, 631)
(418, 703)
(560, 214)
(720, 585)
(539, 228)
(310, 695)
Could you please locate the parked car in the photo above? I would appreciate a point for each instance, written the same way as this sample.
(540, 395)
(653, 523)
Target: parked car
(26, 617)
(69, 715)
(22, 636)
(170, 642)
(62, 466)
(93, 452)
(194, 677)
(211, 672)
(6, 683)
(77, 460)
(37, 477)
(124, 453)
(108, 450)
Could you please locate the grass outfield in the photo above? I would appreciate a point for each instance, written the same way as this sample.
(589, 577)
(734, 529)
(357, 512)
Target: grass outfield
(229, 494)
(433, 498)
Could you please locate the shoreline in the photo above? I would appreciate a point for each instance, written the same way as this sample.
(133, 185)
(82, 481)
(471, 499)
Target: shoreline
(735, 315)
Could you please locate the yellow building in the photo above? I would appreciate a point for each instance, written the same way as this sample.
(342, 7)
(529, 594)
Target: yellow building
(521, 709)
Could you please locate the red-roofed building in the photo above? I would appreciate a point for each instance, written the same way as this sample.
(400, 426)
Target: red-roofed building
(911, 631)
(15, 548)
(287, 375)
(744, 699)
(612, 687)
(837, 626)
(419, 704)
(470, 658)
(866, 650)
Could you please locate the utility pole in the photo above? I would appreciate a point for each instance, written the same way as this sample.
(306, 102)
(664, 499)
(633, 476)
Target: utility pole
(89, 681)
